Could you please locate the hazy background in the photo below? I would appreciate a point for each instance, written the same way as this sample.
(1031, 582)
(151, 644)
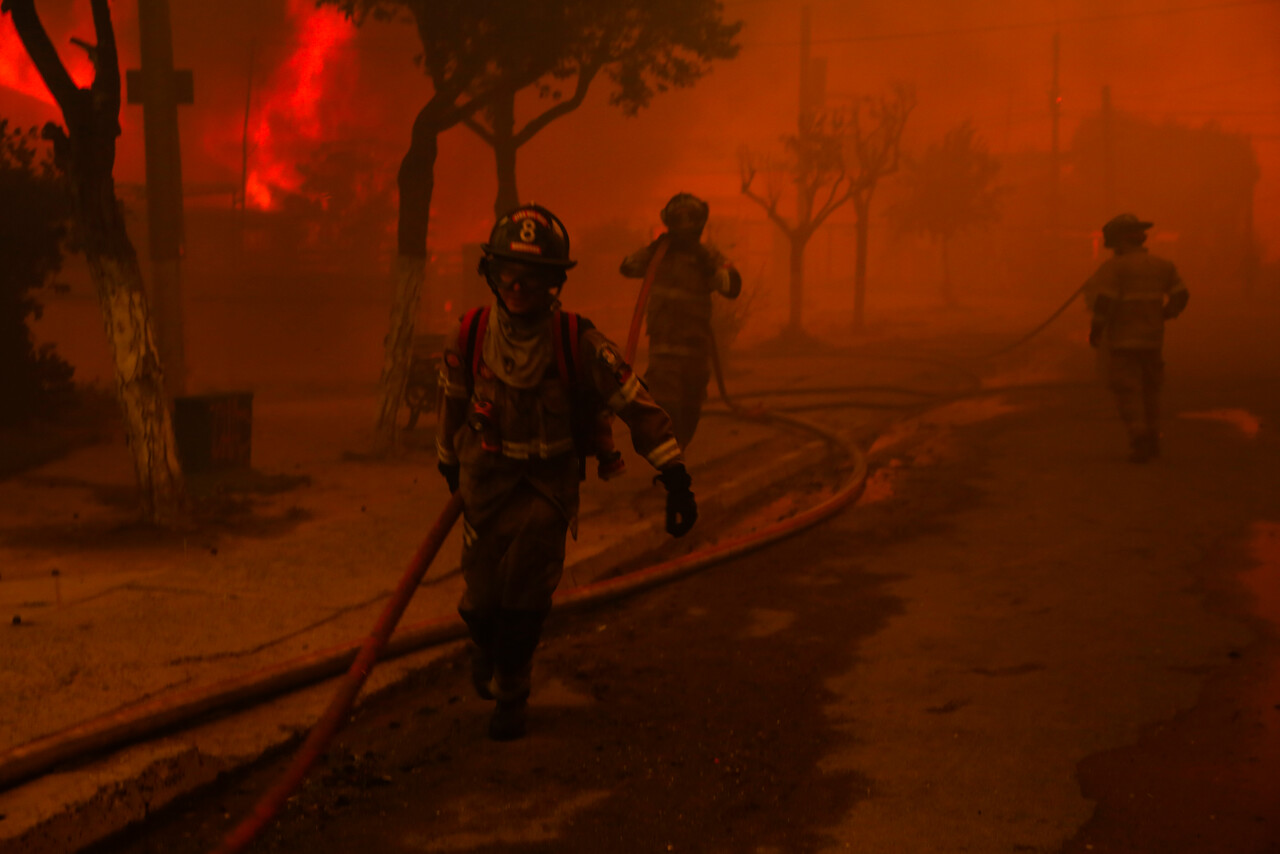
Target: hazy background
(294, 293)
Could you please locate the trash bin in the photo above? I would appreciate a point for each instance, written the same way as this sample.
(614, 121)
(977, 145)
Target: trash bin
(214, 431)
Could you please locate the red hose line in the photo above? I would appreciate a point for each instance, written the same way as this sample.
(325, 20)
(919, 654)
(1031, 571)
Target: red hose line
(345, 696)
(634, 582)
(633, 337)
(149, 716)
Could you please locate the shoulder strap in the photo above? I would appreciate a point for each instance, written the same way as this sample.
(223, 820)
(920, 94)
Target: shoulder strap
(564, 326)
(471, 339)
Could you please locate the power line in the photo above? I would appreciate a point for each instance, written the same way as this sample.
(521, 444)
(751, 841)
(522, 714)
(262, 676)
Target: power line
(1028, 25)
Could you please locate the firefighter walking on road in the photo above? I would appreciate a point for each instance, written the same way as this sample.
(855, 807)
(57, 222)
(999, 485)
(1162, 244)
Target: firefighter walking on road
(684, 273)
(521, 391)
(1134, 293)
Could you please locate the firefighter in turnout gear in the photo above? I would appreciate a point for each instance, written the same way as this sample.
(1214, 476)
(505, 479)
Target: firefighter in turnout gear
(683, 273)
(1134, 293)
(520, 391)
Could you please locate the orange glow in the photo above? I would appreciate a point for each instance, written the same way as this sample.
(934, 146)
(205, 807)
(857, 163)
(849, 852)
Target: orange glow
(290, 115)
(17, 72)
(1243, 420)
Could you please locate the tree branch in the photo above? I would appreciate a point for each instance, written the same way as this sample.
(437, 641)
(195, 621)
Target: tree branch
(586, 74)
(479, 130)
(825, 209)
(770, 209)
(106, 76)
(34, 38)
(832, 206)
(457, 113)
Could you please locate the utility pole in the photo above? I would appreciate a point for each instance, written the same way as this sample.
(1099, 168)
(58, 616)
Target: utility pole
(1055, 153)
(159, 88)
(805, 117)
(1108, 154)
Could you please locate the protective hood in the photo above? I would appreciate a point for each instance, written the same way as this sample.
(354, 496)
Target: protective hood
(518, 348)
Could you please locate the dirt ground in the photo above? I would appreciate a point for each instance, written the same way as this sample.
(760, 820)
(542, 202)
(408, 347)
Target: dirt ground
(1018, 641)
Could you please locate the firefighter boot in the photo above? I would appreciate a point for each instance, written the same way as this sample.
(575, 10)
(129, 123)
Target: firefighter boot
(480, 649)
(1141, 447)
(508, 721)
(514, 642)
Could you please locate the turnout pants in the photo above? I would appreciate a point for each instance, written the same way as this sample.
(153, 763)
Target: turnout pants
(1136, 378)
(511, 565)
(679, 385)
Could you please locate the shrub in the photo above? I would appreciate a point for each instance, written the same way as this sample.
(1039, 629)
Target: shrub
(34, 381)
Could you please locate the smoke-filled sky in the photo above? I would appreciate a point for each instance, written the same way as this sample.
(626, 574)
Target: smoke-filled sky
(316, 79)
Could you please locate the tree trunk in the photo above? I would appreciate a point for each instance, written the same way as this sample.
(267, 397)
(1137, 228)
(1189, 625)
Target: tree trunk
(948, 295)
(86, 151)
(117, 276)
(861, 240)
(416, 182)
(503, 115)
(795, 321)
(140, 385)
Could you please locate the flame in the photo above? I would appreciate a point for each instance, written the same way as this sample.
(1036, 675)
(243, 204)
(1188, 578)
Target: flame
(19, 74)
(291, 115)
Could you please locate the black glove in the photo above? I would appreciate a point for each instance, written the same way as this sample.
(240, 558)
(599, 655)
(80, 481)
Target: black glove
(682, 510)
(1095, 334)
(451, 472)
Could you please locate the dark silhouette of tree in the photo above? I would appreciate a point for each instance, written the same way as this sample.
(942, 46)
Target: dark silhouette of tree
(875, 147)
(950, 188)
(645, 47)
(34, 209)
(836, 156)
(85, 152)
(461, 43)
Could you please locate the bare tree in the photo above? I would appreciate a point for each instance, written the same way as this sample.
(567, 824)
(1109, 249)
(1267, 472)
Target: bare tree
(86, 153)
(950, 188)
(644, 46)
(874, 148)
(835, 157)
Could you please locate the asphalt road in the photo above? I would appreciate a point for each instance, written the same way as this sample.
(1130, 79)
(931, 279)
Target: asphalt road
(1018, 642)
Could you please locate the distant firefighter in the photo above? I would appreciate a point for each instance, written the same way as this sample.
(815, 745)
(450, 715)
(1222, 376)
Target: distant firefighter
(1135, 292)
(684, 273)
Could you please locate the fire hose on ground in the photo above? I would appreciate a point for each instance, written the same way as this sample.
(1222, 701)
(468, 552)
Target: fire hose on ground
(167, 712)
(269, 805)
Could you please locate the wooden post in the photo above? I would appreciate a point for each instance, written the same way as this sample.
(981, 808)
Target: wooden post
(160, 89)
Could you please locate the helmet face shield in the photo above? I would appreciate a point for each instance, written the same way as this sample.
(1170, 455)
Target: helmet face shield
(522, 288)
(506, 275)
(683, 219)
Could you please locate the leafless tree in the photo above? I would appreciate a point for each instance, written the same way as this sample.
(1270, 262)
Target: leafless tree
(836, 156)
(85, 151)
(874, 148)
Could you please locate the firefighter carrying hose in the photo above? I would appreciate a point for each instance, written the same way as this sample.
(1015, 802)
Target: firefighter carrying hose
(684, 273)
(521, 393)
(1134, 293)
